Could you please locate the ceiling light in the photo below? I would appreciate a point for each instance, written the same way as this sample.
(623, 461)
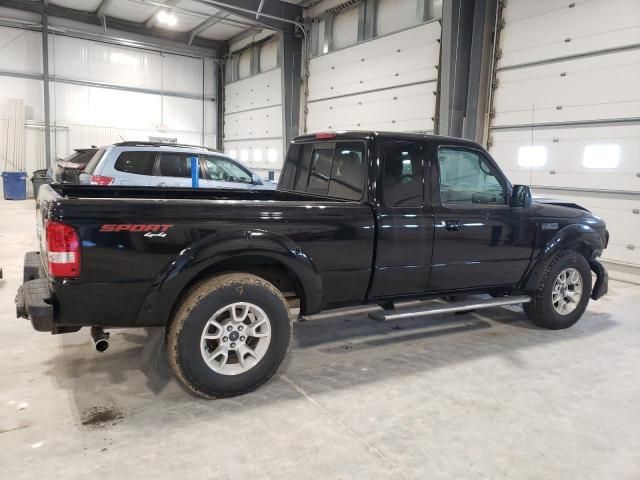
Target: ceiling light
(532, 156)
(167, 17)
(601, 156)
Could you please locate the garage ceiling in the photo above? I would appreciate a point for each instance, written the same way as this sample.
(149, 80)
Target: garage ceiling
(190, 14)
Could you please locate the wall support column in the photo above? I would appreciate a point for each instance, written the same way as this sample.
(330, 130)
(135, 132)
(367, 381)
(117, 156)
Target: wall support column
(219, 82)
(45, 83)
(291, 68)
(468, 33)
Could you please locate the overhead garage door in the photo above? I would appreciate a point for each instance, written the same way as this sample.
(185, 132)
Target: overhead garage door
(253, 110)
(566, 108)
(386, 83)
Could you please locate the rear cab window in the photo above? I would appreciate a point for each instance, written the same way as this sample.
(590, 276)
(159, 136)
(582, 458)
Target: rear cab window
(332, 169)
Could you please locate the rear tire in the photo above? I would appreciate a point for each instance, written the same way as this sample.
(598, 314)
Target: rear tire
(229, 336)
(563, 292)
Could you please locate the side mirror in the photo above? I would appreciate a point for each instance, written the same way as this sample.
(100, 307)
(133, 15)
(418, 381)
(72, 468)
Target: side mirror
(256, 180)
(521, 196)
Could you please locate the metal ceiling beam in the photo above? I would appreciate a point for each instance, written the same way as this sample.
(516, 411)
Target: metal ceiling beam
(168, 4)
(207, 24)
(274, 14)
(115, 23)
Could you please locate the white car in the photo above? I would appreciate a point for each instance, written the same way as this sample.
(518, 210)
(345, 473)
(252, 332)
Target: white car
(167, 165)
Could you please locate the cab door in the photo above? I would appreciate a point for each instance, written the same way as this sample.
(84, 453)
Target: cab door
(480, 240)
(404, 218)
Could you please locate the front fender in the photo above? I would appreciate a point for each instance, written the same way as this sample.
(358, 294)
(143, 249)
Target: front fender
(205, 254)
(572, 237)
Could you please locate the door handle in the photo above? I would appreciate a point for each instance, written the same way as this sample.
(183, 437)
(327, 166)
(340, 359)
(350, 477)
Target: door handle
(453, 225)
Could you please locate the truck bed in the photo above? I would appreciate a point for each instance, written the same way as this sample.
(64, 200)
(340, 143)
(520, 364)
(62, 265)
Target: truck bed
(329, 241)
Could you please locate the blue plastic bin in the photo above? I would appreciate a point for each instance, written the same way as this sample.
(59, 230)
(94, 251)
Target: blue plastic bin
(14, 185)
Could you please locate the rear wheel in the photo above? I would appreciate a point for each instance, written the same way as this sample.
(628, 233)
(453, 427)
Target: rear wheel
(563, 292)
(229, 336)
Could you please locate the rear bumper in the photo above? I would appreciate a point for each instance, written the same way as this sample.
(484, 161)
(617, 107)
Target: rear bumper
(34, 300)
(601, 286)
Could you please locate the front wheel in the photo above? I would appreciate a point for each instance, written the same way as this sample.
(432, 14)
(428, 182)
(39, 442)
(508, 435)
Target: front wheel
(229, 336)
(563, 292)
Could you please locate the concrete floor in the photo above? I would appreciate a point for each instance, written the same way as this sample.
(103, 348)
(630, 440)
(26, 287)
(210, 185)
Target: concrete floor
(481, 395)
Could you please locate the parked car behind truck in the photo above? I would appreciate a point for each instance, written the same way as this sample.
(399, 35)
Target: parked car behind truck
(167, 165)
(358, 218)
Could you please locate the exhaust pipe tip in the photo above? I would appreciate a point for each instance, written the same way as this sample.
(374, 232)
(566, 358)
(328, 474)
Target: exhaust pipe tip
(100, 339)
(102, 345)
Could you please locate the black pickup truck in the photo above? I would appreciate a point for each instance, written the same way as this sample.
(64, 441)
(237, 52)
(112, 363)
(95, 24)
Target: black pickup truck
(358, 218)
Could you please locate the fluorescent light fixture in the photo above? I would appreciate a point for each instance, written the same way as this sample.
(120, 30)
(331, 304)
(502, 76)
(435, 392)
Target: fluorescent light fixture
(244, 155)
(233, 154)
(272, 154)
(257, 155)
(167, 17)
(601, 156)
(532, 156)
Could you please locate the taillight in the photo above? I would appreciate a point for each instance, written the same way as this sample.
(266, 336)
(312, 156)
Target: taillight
(100, 180)
(63, 250)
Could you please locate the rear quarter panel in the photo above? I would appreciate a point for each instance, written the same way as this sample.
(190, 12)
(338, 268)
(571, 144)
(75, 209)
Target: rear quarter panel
(119, 268)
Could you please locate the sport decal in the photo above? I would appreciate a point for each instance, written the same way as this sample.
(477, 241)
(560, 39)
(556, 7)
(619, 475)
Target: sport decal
(150, 230)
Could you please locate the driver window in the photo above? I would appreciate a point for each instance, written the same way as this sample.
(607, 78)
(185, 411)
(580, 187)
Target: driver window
(467, 178)
(224, 170)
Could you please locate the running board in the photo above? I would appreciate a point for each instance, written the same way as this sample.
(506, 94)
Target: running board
(461, 306)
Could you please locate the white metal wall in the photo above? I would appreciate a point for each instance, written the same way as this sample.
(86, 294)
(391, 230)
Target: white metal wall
(154, 94)
(566, 110)
(253, 120)
(100, 93)
(387, 83)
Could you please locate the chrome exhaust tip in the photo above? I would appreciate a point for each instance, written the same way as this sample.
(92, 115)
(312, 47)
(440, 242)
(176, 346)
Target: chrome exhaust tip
(100, 339)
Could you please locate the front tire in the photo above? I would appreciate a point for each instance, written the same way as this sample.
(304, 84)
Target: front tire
(229, 335)
(563, 292)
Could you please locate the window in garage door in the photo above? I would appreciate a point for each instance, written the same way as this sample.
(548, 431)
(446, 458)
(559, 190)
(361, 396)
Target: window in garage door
(345, 29)
(244, 64)
(395, 15)
(269, 56)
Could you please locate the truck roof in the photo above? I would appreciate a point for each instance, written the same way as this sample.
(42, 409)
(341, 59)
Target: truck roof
(365, 134)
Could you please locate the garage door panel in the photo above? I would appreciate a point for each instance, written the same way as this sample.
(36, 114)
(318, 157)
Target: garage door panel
(588, 26)
(400, 109)
(618, 211)
(565, 155)
(586, 89)
(263, 90)
(399, 59)
(261, 123)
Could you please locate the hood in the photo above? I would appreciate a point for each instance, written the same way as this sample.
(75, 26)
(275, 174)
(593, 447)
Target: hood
(561, 203)
(567, 213)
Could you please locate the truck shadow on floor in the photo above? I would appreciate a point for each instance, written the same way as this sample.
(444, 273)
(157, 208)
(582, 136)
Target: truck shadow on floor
(326, 355)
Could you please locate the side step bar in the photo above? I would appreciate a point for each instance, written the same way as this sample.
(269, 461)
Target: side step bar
(461, 306)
